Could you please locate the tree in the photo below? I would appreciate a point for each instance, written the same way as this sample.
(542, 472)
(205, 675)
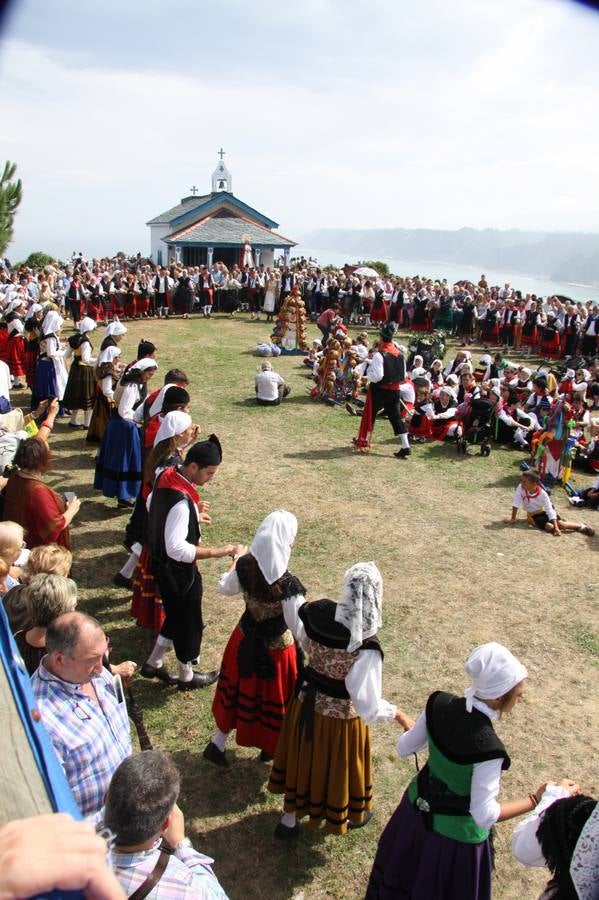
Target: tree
(11, 193)
(381, 267)
(38, 260)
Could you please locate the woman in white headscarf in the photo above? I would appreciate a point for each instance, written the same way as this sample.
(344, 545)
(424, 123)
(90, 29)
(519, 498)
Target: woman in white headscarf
(107, 374)
(80, 392)
(322, 764)
(437, 843)
(50, 377)
(119, 461)
(258, 672)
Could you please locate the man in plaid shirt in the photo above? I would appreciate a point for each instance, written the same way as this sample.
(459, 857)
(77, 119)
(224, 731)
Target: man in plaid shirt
(86, 721)
(151, 854)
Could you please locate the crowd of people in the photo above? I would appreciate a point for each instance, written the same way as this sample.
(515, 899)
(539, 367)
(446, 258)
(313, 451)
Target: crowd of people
(300, 681)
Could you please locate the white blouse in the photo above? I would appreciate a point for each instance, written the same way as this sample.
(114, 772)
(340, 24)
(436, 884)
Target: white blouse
(486, 776)
(364, 680)
(129, 398)
(525, 844)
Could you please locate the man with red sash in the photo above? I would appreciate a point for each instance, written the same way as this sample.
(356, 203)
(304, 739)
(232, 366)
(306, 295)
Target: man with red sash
(174, 539)
(386, 373)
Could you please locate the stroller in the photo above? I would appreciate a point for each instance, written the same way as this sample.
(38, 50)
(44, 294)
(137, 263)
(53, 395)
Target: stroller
(477, 428)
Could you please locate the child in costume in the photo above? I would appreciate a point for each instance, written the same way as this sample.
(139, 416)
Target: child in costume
(259, 669)
(535, 502)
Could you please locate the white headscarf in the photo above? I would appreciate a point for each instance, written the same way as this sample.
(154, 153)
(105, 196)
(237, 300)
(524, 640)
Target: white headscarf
(142, 364)
(156, 406)
(115, 328)
(109, 355)
(173, 423)
(86, 324)
(494, 671)
(52, 323)
(361, 602)
(271, 547)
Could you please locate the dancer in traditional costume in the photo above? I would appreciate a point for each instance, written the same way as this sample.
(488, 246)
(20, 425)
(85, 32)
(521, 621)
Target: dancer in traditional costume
(16, 341)
(113, 334)
(551, 340)
(176, 432)
(119, 461)
(530, 332)
(437, 843)
(107, 375)
(386, 373)
(322, 763)
(80, 392)
(175, 542)
(50, 373)
(259, 668)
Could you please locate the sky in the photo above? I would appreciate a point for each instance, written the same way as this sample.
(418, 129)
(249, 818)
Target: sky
(332, 113)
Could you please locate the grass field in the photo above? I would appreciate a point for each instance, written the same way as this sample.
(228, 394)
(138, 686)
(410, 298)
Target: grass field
(454, 577)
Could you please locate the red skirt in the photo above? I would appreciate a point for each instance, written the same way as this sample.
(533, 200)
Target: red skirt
(420, 326)
(146, 605)
(4, 344)
(16, 356)
(441, 427)
(254, 706)
(31, 354)
(552, 347)
(529, 340)
(130, 307)
(379, 313)
(424, 429)
(490, 335)
(95, 311)
(117, 307)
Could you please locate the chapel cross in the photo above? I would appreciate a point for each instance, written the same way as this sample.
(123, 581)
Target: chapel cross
(194, 190)
(221, 153)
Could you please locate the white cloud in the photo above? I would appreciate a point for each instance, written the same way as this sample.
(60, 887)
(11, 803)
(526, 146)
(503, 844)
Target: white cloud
(482, 115)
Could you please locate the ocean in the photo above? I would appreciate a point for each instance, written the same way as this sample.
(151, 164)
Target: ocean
(525, 283)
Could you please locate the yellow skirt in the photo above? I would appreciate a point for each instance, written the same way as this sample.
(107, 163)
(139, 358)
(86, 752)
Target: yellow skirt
(328, 778)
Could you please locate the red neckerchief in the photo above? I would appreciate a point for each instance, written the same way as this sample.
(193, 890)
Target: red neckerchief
(534, 494)
(390, 348)
(173, 480)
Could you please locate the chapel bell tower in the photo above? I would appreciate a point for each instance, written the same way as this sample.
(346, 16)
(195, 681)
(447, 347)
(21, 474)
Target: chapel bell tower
(221, 177)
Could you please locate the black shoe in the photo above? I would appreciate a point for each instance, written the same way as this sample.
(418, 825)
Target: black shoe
(215, 756)
(74, 425)
(265, 757)
(367, 817)
(287, 834)
(125, 504)
(148, 671)
(351, 409)
(403, 453)
(120, 581)
(199, 680)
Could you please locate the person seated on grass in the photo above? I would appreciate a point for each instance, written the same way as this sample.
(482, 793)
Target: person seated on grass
(588, 497)
(562, 833)
(151, 850)
(535, 502)
(270, 386)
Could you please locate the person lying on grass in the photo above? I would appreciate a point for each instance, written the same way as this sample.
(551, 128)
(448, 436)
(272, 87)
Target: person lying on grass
(535, 502)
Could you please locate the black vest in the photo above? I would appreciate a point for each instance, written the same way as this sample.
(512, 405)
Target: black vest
(394, 368)
(163, 500)
(463, 737)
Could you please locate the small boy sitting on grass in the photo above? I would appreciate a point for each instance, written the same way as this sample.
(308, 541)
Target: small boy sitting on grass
(535, 502)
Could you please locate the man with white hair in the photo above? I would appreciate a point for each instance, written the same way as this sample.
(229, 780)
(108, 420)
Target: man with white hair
(270, 386)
